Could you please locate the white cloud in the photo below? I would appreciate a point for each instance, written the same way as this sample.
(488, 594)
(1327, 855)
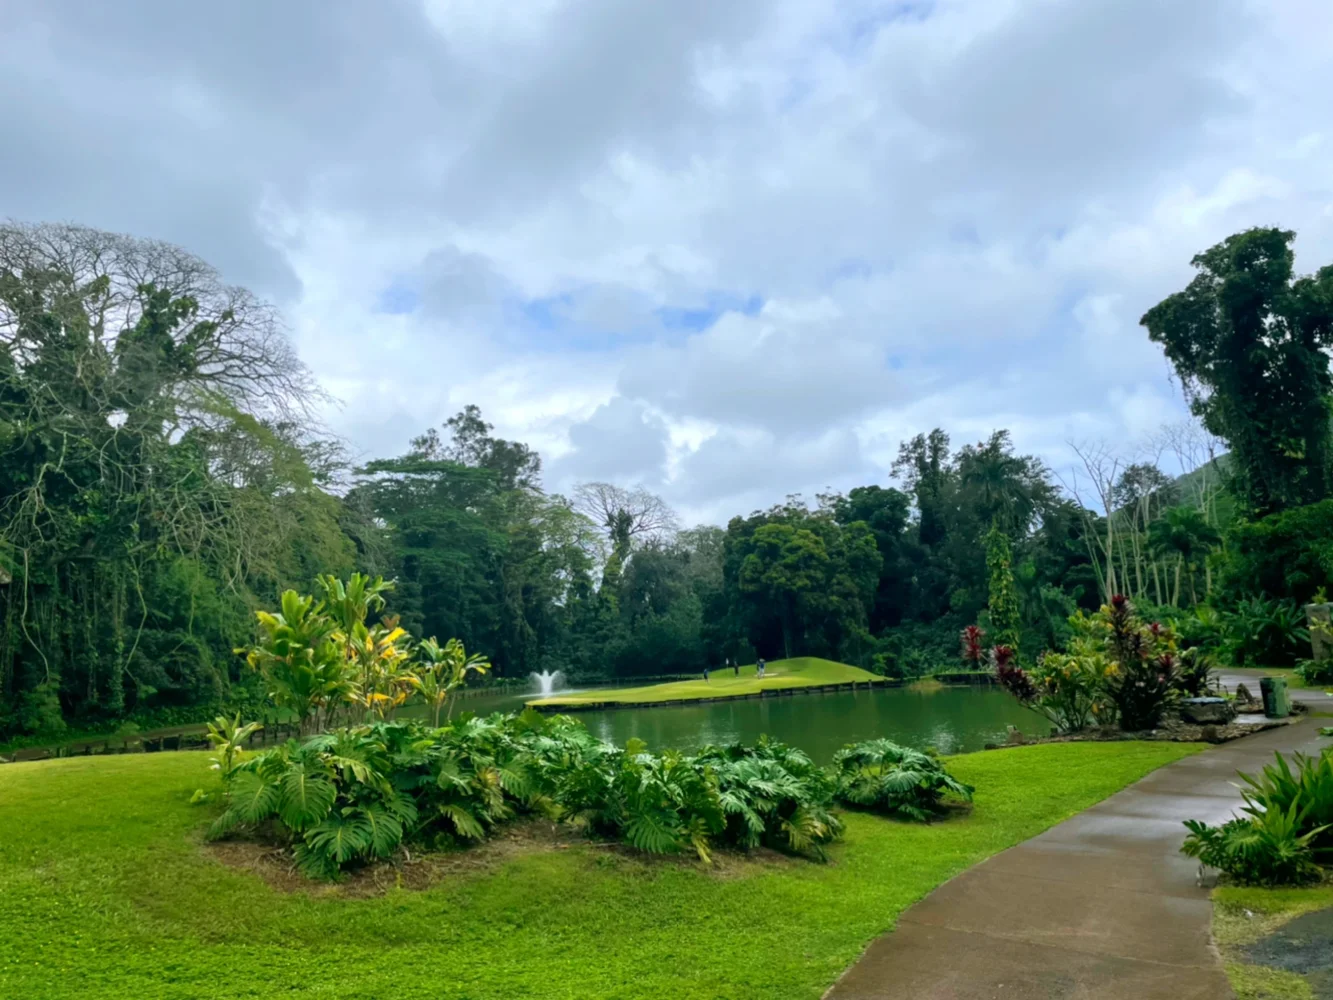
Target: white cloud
(734, 249)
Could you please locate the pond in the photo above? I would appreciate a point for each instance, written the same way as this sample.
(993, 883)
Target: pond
(950, 719)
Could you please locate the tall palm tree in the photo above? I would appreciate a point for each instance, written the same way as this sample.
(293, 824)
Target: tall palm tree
(1006, 488)
(1183, 532)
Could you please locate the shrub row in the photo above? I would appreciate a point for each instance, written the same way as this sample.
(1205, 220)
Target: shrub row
(356, 794)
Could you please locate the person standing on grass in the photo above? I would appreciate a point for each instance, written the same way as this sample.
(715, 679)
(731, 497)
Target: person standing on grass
(759, 668)
(705, 673)
(736, 666)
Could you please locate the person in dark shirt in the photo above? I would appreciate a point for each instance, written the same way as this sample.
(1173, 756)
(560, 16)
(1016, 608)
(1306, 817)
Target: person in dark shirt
(759, 668)
(705, 673)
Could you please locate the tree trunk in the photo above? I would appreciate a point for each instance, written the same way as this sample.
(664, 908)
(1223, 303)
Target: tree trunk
(1110, 558)
(1175, 598)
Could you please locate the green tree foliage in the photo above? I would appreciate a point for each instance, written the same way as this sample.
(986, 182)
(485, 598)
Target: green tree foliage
(1002, 604)
(803, 584)
(1248, 340)
(1284, 556)
(161, 483)
(1184, 536)
(155, 483)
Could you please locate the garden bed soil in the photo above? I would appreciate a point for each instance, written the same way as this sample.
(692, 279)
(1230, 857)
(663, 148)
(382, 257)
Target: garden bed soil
(417, 870)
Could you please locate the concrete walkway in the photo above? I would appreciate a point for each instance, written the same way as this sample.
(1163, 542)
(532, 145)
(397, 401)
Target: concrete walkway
(1100, 907)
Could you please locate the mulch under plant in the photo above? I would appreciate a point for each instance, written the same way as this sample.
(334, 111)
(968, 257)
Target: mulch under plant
(423, 869)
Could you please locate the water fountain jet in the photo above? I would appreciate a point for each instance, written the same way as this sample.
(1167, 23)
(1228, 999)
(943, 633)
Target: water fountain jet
(548, 681)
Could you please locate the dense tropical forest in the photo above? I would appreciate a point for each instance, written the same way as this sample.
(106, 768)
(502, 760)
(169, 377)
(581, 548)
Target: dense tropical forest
(163, 476)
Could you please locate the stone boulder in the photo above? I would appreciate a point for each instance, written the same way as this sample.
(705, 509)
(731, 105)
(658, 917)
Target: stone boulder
(1207, 711)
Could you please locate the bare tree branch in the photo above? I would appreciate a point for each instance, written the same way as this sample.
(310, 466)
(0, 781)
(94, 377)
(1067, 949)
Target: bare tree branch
(648, 514)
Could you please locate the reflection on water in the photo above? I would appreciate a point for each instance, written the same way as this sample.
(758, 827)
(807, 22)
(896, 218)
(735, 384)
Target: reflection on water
(950, 719)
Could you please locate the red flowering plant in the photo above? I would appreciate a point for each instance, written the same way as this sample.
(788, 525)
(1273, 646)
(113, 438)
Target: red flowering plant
(1143, 664)
(1064, 688)
(973, 641)
(1011, 676)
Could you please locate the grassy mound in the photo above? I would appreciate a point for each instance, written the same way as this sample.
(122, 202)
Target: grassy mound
(800, 671)
(108, 892)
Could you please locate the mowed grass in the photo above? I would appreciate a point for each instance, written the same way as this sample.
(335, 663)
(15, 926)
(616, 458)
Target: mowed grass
(105, 892)
(801, 671)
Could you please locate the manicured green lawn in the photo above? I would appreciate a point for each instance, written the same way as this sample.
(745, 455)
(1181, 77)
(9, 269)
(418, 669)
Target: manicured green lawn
(802, 671)
(104, 892)
(1242, 916)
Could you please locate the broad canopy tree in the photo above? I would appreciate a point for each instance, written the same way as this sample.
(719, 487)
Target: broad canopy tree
(1249, 340)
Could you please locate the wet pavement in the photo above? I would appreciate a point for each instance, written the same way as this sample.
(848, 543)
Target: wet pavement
(1100, 907)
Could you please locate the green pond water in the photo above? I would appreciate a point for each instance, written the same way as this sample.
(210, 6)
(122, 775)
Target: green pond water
(950, 719)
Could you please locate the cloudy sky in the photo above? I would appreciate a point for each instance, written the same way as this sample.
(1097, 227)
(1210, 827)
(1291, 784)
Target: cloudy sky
(729, 249)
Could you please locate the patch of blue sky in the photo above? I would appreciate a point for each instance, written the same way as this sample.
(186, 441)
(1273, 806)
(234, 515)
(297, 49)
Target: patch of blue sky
(556, 322)
(859, 35)
(552, 323)
(693, 319)
(399, 298)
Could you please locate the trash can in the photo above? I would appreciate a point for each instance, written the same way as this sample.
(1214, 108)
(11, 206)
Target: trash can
(1274, 690)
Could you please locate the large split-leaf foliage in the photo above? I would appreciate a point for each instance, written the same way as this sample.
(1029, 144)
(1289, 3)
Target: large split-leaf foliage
(356, 795)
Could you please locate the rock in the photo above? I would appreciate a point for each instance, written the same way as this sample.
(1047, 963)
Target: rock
(1209, 734)
(1203, 711)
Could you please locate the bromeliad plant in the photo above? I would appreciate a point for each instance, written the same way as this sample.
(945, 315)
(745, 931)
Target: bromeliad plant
(885, 777)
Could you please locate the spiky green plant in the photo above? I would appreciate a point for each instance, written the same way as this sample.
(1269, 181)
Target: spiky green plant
(1267, 849)
(1307, 788)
